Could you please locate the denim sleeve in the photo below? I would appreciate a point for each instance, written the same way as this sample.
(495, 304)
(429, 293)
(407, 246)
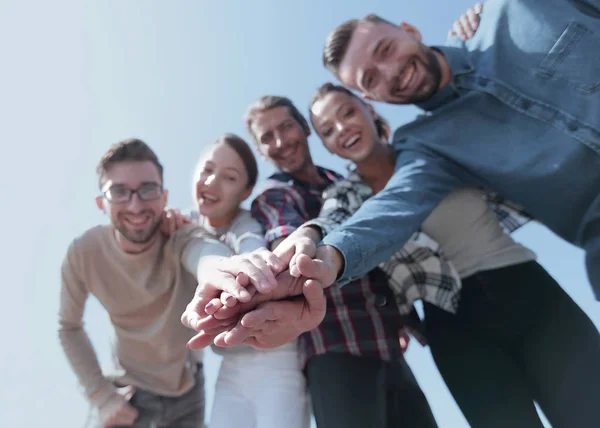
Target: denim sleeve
(386, 221)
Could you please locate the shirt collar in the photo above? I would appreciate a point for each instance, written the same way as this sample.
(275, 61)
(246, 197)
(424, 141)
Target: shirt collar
(459, 64)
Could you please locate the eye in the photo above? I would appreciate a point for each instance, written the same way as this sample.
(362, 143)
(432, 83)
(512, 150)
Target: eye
(267, 138)
(230, 178)
(327, 132)
(348, 112)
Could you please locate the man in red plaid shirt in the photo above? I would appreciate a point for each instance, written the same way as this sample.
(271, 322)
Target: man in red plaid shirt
(354, 363)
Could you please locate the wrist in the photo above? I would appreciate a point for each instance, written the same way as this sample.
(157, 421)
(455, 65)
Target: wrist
(102, 395)
(312, 232)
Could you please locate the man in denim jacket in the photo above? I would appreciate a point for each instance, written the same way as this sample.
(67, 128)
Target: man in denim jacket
(515, 109)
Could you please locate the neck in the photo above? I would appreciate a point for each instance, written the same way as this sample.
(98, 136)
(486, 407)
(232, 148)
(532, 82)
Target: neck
(309, 174)
(444, 68)
(378, 167)
(223, 221)
(132, 247)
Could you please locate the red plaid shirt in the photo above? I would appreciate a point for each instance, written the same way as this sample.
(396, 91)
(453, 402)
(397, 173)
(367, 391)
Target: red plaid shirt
(362, 318)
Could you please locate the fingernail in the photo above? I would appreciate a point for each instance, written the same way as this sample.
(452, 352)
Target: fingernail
(244, 294)
(210, 305)
(229, 299)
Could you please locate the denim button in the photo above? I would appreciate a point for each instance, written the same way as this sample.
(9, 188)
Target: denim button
(380, 300)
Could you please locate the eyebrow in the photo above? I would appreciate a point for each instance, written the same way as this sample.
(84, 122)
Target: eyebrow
(233, 169)
(378, 46)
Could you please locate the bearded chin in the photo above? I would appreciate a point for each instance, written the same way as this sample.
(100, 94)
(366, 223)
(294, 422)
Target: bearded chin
(434, 76)
(143, 237)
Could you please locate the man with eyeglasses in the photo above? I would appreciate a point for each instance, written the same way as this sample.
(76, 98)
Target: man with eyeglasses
(144, 280)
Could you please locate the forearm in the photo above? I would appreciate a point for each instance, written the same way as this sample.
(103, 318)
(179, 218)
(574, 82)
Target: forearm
(385, 222)
(84, 362)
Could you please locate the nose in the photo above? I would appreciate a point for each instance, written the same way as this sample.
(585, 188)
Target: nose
(210, 180)
(278, 140)
(135, 204)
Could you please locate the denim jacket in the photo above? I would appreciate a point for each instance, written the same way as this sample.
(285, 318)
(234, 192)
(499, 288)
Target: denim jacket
(521, 117)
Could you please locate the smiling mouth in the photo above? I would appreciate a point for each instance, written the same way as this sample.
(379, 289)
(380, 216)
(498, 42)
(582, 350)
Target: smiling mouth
(406, 78)
(351, 142)
(136, 221)
(207, 198)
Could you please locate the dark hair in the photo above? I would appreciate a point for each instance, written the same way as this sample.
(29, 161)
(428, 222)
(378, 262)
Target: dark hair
(382, 125)
(338, 40)
(238, 145)
(132, 149)
(269, 102)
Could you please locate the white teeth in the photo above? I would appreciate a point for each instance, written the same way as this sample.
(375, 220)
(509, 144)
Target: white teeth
(210, 198)
(408, 74)
(136, 221)
(351, 141)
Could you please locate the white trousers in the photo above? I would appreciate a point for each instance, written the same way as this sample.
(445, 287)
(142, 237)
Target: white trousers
(261, 389)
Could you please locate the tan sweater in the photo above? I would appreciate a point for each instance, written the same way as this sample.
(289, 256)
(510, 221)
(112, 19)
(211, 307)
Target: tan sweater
(144, 295)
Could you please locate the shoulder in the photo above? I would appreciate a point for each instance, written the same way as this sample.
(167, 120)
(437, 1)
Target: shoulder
(244, 222)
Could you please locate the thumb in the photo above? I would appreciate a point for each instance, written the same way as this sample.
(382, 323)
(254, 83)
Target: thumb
(314, 295)
(315, 269)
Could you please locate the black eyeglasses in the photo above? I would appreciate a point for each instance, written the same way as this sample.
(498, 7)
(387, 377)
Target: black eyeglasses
(120, 194)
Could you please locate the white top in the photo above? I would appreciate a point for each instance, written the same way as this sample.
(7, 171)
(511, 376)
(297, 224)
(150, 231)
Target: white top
(470, 235)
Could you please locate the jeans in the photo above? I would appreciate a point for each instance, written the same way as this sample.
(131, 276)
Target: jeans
(357, 392)
(156, 411)
(516, 339)
(261, 389)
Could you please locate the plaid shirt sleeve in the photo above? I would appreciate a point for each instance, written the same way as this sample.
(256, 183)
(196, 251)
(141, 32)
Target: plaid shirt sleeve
(510, 215)
(341, 200)
(279, 211)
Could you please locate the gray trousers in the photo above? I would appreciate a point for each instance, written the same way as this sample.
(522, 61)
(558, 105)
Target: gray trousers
(156, 411)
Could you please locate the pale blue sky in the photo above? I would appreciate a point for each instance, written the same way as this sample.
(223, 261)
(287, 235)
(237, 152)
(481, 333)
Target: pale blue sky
(77, 76)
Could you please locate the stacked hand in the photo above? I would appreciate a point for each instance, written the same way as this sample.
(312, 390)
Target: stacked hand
(263, 299)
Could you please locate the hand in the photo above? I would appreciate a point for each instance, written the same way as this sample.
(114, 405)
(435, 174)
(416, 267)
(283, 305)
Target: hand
(301, 241)
(117, 411)
(324, 267)
(172, 220)
(232, 275)
(467, 24)
(219, 318)
(274, 324)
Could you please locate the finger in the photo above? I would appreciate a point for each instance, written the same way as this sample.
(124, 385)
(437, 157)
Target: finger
(213, 306)
(201, 340)
(478, 8)
(194, 312)
(457, 27)
(226, 312)
(266, 312)
(258, 261)
(315, 296)
(210, 323)
(473, 20)
(228, 300)
(314, 269)
(274, 262)
(237, 335)
(264, 281)
(450, 34)
(229, 283)
(464, 22)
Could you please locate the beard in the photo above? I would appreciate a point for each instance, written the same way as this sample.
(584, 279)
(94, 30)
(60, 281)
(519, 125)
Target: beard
(432, 80)
(139, 236)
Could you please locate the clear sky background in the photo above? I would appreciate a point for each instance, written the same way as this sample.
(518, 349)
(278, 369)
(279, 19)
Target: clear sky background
(77, 76)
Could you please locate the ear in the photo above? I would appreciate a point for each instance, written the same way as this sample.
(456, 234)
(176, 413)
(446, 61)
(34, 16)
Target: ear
(412, 31)
(100, 203)
(247, 193)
